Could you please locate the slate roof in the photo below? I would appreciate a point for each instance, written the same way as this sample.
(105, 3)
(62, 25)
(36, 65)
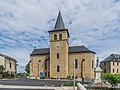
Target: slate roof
(40, 51)
(112, 57)
(8, 57)
(59, 25)
(73, 49)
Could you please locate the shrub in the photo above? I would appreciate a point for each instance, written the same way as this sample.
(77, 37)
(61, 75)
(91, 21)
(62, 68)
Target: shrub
(52, 78)
(42, 77)
(112, 78)
(69, 77)
(69, 84)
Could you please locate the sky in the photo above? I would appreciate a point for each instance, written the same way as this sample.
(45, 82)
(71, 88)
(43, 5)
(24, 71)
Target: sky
(24, 24)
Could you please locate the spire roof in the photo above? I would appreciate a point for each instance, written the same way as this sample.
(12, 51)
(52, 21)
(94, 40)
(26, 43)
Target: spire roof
(59, 23)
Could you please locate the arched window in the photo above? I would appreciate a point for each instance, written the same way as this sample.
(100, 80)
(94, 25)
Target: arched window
(60, 36)
(76, 63)
(92, 64)
(113, 70)
(55, 37)
(45, 64)
(57, 55)
(10, 65)
(58, 68)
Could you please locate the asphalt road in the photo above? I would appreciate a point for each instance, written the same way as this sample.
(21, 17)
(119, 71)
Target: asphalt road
(23, 81)
(22, 89)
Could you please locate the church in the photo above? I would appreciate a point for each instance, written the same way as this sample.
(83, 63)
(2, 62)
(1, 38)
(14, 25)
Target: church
(57, 60)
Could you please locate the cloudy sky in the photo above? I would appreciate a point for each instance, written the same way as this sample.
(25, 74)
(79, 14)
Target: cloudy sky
(25, 24)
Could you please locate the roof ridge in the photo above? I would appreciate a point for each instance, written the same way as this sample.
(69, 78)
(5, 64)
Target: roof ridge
(110, 58)
(41, 48)
(6, 56)
(77, 46)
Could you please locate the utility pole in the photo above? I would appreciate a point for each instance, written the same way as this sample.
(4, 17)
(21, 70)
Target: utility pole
(74, 73)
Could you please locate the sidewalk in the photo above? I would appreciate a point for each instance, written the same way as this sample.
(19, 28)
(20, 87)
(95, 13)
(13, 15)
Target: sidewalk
(36, 87)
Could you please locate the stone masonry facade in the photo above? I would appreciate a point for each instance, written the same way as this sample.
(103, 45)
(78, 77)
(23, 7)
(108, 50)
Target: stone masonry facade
(10, 64)
(111, 64)
(57, 61)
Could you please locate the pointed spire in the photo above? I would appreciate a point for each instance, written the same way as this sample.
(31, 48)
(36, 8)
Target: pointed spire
(59, 23)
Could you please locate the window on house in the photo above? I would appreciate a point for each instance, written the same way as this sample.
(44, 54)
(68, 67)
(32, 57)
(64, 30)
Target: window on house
(58, 68)
(113, 70)
(10, 64)
(92, 64)
(117, 70)
(117, 63)
(76, 63)
(45, 64)
(104, 63)
(104, 70)
(113, 63)
(57, 55)
(55, 37)
(60, 36)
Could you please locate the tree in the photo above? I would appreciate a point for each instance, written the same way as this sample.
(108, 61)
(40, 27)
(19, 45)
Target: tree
(27, 68)
(2, 68)
(112, 78)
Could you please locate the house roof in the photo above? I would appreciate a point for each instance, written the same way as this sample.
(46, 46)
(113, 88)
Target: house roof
(8, 57)
(112, 57)
(73, 49)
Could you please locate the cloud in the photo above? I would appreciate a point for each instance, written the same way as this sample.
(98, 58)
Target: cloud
(25, 24)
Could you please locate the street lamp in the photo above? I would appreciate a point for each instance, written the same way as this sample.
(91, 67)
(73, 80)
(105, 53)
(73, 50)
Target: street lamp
(74, 73)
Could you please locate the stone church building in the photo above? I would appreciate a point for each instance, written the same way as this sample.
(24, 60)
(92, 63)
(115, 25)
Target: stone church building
(57, 60)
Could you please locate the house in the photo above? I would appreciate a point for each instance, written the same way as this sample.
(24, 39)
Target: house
(111, 64)
(8, 63)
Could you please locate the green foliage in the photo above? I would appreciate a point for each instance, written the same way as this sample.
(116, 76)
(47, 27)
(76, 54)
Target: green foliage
(52, 78)
(8, 75)
(12, 75)
(69, 84)
(42, 77)
(112, 78)
(1, 68)
(27, 68)
(69, 77)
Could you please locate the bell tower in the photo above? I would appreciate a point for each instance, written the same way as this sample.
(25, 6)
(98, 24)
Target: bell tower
(59, 37)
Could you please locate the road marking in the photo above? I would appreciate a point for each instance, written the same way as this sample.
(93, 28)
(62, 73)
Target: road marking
(62, 85)
(48, 84)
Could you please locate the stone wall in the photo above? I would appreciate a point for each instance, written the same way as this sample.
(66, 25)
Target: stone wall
(2, 60)
(59, 47)
(8, 67)
(6, 63)
(37, 64)
(115, 67)
(85, 68)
